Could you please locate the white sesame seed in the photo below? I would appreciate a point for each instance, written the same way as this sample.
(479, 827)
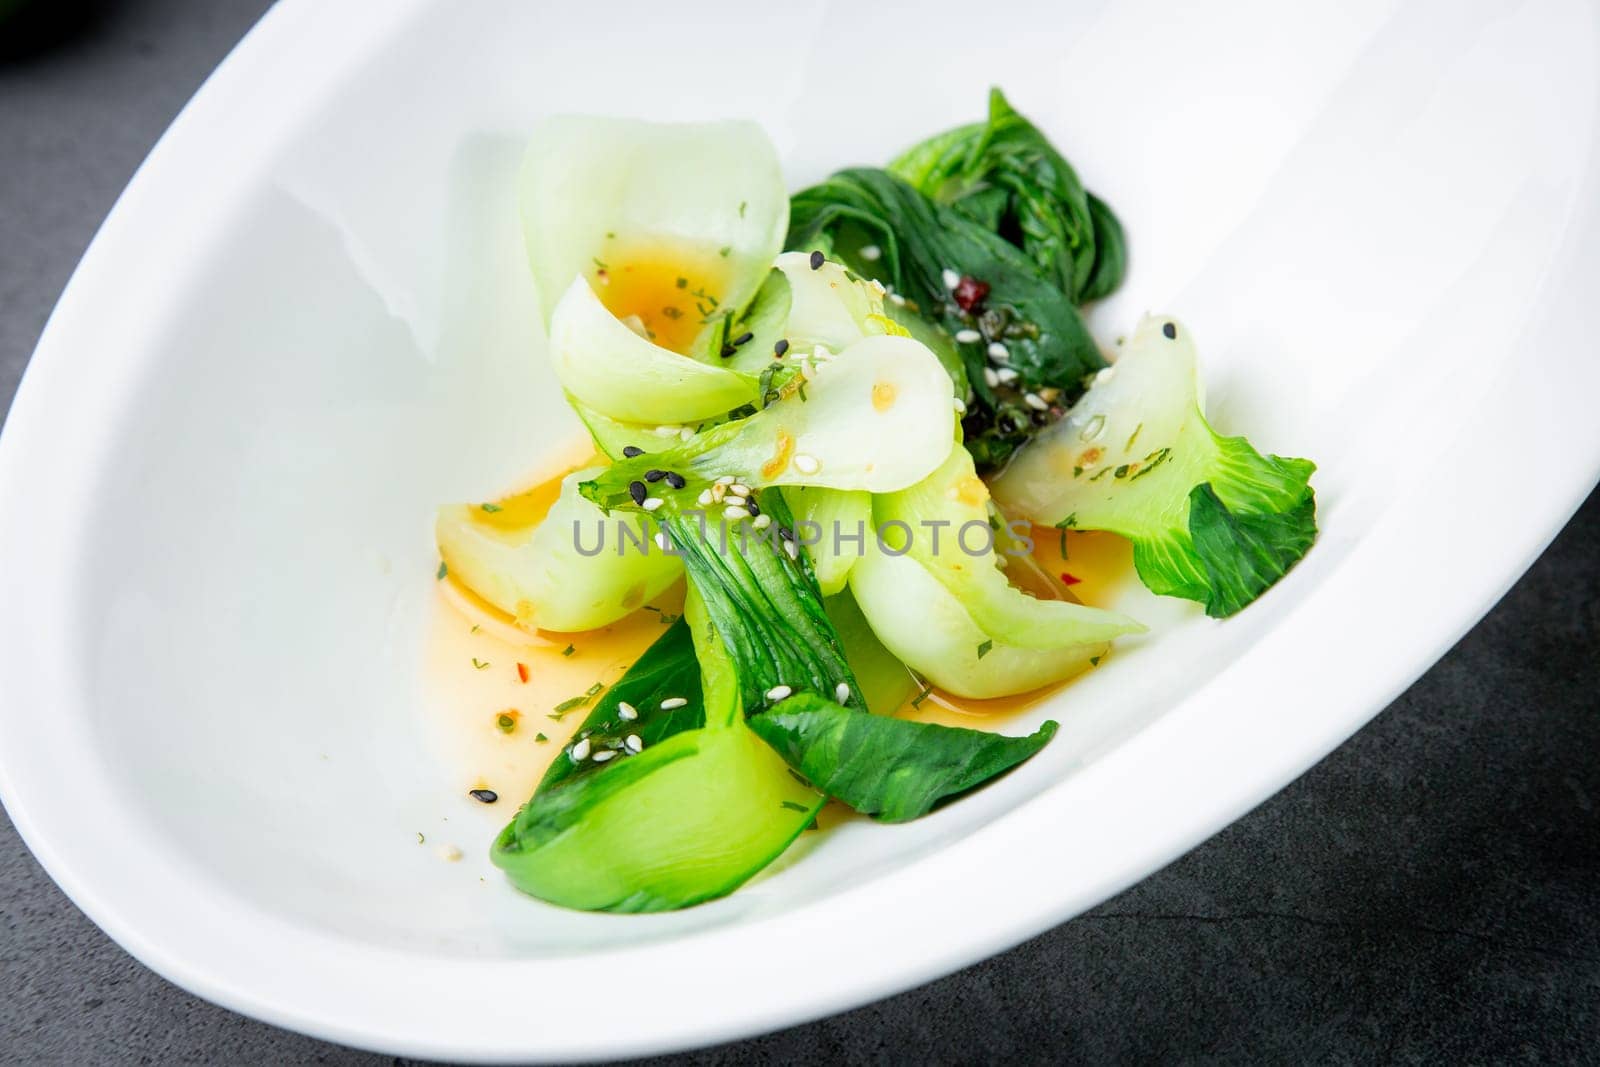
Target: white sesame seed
(877, 286)
(580, 751)
(806, 464)
(960, 405)
(1035, 401)
(673, 702)
(762, 521)
(1092, 429)
(686, 434)
(968, 337)
(704, 498)
(999, 352)
(726, 479)
(778, 692)
(661, 540)
(951, 278)
(667, 431)
(735, 512)
(1006, 375)
(870, 253)
(718, 492)
(652, 502)
(449, 853)
(841, 692)
(604, 755)
(633, 743)
(897, 300)
(792, 549)
(1105, 375)
(626, 711)
(738, 489)
(991, 376)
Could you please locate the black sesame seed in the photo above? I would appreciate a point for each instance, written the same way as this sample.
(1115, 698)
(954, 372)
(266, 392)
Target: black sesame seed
(1171, 330)
(675, 480)
(744, 338)
(780, 348)
(817, 259)
(629, 451)
(487, 796)
(654, 475)
(636, 490)
(752, 507)
(728, 350)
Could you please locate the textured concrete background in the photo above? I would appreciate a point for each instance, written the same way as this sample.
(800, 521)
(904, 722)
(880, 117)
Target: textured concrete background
(1428, 892)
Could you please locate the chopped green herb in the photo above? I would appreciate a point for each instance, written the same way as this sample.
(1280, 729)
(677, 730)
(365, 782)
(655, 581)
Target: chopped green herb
(420, 838)
(1134, 436)
(601, 265)
(475, 628)
(1068, 522)
(594, 689)
(541, 738)
(569, 650)
(479, 664)
(1077, 471)
(570, 703)
(742, 205)
(724, 250)
(491, 508)
(683, 283)
(506, 722)
(1121, 472)
(792, 806)
(1094, 661)
(917, 700)
(444, 569)
(984, 648)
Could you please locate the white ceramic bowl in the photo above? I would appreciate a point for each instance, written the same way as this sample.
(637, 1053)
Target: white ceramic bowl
(306, 323)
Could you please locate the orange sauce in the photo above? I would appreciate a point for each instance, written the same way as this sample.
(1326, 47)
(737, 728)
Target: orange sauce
(671, 290)
(479, 656)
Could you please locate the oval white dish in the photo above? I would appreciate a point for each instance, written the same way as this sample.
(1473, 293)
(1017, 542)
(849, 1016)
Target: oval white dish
(306, 323)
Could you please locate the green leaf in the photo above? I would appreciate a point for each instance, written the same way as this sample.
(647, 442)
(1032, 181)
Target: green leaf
(1211, 518)
(894, 769)
(1244, 552)
(1110, 252)
(1048, 344)
(1007, 177)
(667, 669)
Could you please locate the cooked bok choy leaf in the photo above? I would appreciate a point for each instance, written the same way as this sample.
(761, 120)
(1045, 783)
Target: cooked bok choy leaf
(944, 523)
(619, 372)
(877, 417)
(764, 604)
(560, 571)
(1210, 518)
(617, 200)
(832, 525)
(979, 288)
(1007, 177)
(928, 629)
(894, 769)
(646, 240)
(691, 814)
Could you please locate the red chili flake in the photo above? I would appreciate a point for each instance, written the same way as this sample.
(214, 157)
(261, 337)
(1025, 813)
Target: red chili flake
(522, 672)
(969, 293)
(1067, 579)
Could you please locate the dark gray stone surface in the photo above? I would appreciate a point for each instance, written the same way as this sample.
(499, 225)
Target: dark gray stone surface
(1428, 892)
